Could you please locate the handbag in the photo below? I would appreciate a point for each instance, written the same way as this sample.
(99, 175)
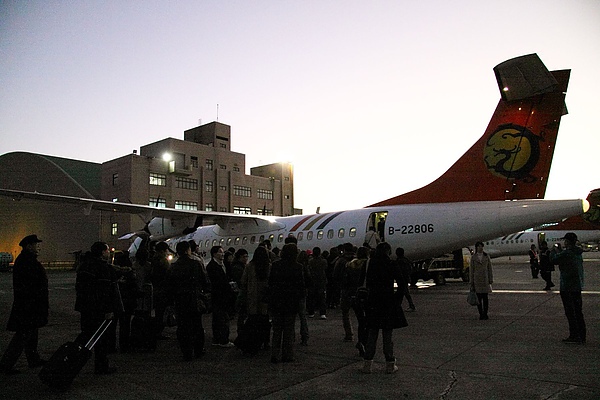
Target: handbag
(472, 297)
(169, 318)
(203, 302)
(361, 297)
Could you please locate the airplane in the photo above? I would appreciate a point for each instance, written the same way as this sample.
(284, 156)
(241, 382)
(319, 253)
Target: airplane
(466, 204)
(585, 226)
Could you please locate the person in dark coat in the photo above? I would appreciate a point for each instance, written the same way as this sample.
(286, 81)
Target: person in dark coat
(97, 300)
(315, 300)
(570, 264)
(223, 297)
(30, 307)
(384, 306)
(158, 276)
(287, 288)
(185, 281)
(546, 267)
(254, 289)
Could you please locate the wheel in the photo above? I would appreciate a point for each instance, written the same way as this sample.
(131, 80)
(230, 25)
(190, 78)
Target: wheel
(440, 279)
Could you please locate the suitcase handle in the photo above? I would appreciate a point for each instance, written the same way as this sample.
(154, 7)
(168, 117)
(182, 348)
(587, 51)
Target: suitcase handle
(98, 334)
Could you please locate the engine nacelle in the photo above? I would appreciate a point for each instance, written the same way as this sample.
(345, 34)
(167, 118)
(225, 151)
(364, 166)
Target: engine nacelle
(168, 227)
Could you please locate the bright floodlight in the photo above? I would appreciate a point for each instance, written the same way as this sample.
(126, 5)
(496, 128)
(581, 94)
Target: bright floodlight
(167, 157)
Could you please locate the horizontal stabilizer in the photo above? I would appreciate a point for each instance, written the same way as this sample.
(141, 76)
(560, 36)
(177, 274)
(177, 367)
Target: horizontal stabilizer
(523, 77)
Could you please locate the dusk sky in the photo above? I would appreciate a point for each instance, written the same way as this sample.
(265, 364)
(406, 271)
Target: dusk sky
(368, 100)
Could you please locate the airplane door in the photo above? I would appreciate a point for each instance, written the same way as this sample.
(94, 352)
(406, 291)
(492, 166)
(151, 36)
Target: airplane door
(540, 238)
(376, 223)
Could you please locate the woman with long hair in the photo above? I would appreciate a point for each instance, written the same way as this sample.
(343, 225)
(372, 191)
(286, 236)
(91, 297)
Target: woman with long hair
(253, 289)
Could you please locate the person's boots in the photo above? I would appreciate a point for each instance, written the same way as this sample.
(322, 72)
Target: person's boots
(366, 369)
(390, 367)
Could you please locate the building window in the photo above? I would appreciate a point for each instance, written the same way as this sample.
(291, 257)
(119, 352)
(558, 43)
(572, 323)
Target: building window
(208, 207)
(287, 178)
(186, 183)
(209, 186)
(264, 211)
(236, 169)
(186, 205)
(157, 202)
(209, 164)
(287, 196)
(222, 166)
(264, 194)
(242, 191)
(115, 179)
(223, 209)
(115, 199)
(242, 210)
(194, 161)
(114, 228)
(158, 179)
(223, 145)
(223, 188)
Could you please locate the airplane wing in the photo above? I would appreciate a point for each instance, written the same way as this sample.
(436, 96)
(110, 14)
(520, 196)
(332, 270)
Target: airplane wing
(146, 212)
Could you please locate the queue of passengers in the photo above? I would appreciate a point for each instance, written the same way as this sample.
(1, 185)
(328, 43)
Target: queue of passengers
(268, 292)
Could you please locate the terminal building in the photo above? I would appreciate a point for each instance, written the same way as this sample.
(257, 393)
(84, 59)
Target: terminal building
(199, 172)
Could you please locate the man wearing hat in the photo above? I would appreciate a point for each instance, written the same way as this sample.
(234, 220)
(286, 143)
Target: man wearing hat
(30, 307)
(570, 264)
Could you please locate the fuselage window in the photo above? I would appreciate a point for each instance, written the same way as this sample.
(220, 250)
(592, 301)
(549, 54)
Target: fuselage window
(320, 235)
(309, 235)
(244, 240)
(271, 238)
(206, 243)
(237, 241)
(330, 234)
(300, 236)
(280, 238)
(214, 242)
(252, 239)
(341, 233)
(222, 242)
(262, 238)
(352, 232)
(229, 241)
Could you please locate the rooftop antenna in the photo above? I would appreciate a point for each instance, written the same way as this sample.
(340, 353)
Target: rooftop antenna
(217, 112)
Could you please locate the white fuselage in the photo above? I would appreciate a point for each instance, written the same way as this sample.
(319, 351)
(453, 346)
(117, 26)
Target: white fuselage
(520, 243)
(423, 230)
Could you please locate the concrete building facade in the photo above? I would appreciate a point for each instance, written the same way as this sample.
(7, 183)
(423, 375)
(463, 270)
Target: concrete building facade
(199, 172)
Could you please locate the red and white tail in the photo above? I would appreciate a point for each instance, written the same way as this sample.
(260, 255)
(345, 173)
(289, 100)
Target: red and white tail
(512, 159)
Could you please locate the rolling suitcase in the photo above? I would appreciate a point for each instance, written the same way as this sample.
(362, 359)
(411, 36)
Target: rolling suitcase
(68, 360)
(252, 334)
(143, 336)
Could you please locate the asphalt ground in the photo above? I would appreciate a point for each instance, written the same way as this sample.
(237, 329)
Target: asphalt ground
(446, 352)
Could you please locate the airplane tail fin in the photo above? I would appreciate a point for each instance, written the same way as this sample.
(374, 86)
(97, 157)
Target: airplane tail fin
(512, 159)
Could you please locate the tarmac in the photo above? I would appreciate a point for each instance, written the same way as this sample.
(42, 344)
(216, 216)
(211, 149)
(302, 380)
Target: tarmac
(446, 352)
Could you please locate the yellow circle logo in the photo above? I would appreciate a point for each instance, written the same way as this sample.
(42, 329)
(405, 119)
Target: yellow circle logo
(512, 152)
